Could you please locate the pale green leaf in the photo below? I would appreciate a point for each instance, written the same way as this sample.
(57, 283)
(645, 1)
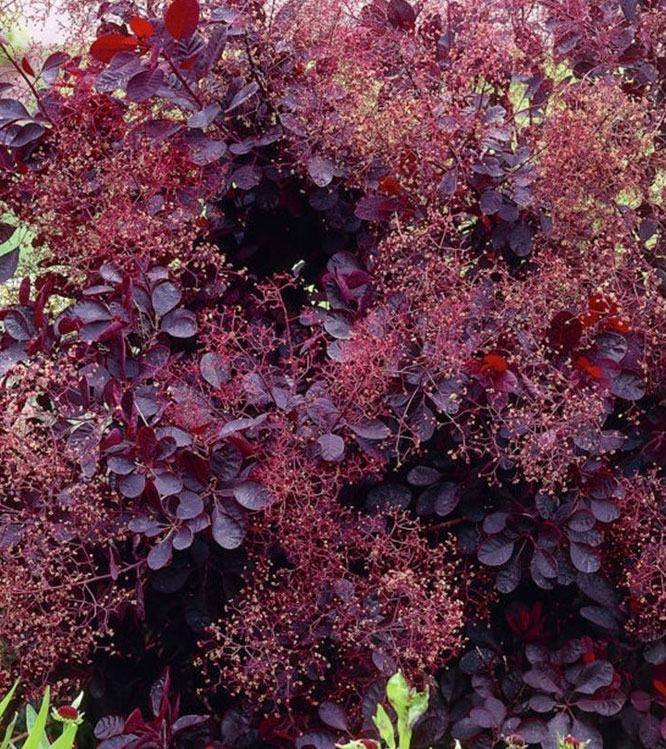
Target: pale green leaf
(5, 702)
(397, 691)
(66, 738)
(418, 704)
(384, 726)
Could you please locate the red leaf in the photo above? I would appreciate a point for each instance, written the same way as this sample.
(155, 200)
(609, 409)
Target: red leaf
(104, 48)
(495, 362)
(182, 18)
(25, 64)
(141, 27)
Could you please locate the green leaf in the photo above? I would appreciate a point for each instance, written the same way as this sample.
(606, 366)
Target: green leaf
(5, 702)
(66, 738)
(418, 704)
(36, 731)
(30, 720)
(354, 744)
(384, 726)
(397, 690)
(8, 732)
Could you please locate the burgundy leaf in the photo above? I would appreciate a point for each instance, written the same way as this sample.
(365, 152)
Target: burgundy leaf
(182, 18)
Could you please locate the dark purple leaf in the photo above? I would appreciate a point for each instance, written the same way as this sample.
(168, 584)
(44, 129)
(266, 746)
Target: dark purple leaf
(207, 151)
(225, 462)
(584, 557)
(160, 555)
(628, 386)
(603, 511)
(423, 476)
(334, 716)
(372, 429)
(247, 177)
(600, 616)
(132, 485)
(375, 208)
(239, 425)
(143, 85)
(205, 117)
(581, 521)
(558, 727)
(449, 182)
(187, 721)
(183, 538)
(532, 730)
(120, 464)
(52, 65)
(168, 484)
(159, 694)
(18, 326)
(332, 447)
(543, 677)
(252, 495)
(229, 524)
(24, 134)
(246, 93)
(386, 496)
(495, 551)
(320, 171)
(520, 240)
(545, 563)
(491, 202)
(6, 233)
(444, 498)
(109, 726)
(594, 676)
(655, 652)
(495, 522)
(585, 732)
(180, 323)
(8, 265)
(611, 346)
(11, 356)
(649, 731)
(316, 740)
(542, 703)
(150, 527)
(508, 578)
(90, 311)
(189, 505)
(214, 369)
(118, 742)
(165, 297)
(12, 110)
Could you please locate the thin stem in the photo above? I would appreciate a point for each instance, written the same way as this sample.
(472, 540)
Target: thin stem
(29, 83)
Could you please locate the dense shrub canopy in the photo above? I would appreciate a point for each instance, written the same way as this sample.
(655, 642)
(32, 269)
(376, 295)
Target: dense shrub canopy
(331, 343)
